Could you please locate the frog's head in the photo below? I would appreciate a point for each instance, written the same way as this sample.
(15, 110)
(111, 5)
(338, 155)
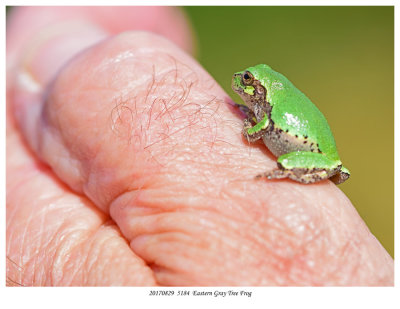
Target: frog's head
(242, 82)
(248, 87)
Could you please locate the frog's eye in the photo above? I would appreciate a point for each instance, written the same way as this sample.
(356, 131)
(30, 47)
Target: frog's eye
(247, 78)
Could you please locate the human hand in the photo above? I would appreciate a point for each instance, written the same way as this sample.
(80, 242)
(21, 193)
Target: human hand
(127, 167)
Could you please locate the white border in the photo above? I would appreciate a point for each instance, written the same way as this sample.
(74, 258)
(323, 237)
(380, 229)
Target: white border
(261, 297)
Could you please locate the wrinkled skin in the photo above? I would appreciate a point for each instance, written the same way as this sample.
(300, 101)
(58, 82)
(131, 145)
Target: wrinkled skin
(126, 166)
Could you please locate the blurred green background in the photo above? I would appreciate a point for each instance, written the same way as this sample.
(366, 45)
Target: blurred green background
(342, 58)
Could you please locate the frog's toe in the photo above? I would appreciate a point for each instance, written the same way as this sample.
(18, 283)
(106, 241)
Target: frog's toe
(341, 176)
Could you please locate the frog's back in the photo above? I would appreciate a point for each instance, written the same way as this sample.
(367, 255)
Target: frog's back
(293, 112)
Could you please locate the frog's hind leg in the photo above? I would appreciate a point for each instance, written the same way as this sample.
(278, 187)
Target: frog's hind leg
(305, 167)
(302, 175)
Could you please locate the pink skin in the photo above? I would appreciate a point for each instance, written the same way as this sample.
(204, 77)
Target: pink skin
(127, 167)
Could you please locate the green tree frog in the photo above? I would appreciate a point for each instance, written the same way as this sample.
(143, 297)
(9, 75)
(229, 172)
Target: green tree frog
(290, 125)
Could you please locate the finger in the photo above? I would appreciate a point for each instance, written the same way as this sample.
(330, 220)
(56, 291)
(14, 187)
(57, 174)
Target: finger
(55, 237)
(36, 53)
(85, 249)
(48, 23)
(146, 134)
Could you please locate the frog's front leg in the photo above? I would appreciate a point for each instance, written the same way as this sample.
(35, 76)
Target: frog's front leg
(245, 110)
(304, 166)
(254, 133)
